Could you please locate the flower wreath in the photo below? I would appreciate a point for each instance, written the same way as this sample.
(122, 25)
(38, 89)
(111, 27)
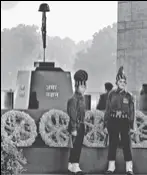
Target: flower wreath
(94, 132)
(19, 128)
(53, 128)
(139, 135)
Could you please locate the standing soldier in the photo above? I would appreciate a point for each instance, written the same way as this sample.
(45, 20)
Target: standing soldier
(103, 97)
(76, 112)
(119, 119)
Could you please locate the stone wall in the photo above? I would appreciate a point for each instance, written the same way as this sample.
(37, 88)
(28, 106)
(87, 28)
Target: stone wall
(132, 42)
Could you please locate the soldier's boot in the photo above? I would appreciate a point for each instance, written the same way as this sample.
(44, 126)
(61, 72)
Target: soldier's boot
(76, 169)
(111, 167)
(70, 169)
(129, 168)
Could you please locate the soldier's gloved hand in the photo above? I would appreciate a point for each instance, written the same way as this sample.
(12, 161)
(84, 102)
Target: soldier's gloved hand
(105, 130)
(74, 133)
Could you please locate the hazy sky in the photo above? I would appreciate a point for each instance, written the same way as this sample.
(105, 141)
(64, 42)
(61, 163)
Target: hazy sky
(78, 20)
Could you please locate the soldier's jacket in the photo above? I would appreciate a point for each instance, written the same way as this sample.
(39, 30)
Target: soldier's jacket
(76, 111)
(102, 101)
(120, 104)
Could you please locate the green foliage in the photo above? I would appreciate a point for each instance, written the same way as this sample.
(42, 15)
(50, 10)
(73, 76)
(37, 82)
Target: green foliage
(12, 160)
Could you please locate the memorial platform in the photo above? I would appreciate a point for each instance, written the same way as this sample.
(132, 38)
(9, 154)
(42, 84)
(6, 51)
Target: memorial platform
(43, 160)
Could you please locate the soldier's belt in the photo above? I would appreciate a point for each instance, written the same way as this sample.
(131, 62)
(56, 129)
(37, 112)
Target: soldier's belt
(119, 114)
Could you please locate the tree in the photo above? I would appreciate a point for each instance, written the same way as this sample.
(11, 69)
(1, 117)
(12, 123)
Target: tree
(61, 51)
(100, 59)
(22, 45)
(19, 46)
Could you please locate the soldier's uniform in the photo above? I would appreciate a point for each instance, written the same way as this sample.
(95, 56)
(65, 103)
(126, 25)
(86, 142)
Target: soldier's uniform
(102, 101)
(103, 97)
(76, 112)
(119, 119)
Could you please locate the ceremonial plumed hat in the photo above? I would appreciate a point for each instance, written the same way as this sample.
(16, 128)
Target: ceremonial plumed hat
(80, 77)
(121, 74)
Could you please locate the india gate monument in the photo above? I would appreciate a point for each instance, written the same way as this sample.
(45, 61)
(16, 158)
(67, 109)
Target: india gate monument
(132, 42)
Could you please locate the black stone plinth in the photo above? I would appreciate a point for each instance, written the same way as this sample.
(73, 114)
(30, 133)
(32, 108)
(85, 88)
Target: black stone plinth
(44, 64)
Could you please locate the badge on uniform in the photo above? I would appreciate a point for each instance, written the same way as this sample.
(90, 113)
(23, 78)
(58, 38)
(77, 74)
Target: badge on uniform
(125, 100)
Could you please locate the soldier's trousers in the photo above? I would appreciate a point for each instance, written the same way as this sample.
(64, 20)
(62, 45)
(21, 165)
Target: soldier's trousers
(116, 127)
(75, 152)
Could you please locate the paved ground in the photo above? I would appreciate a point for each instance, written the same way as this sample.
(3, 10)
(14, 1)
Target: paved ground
(86, 174)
